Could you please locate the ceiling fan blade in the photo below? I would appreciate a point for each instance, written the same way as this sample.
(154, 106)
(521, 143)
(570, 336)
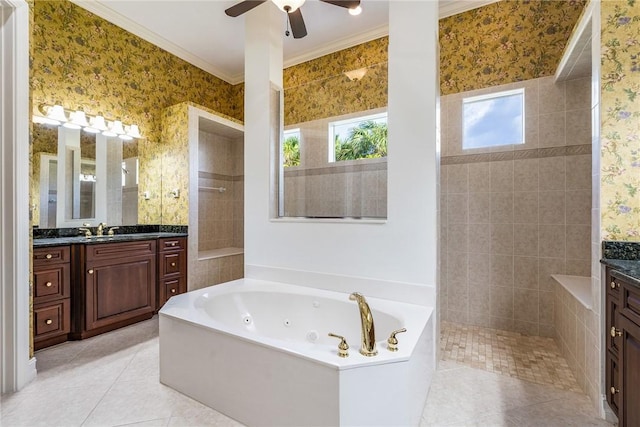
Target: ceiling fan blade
(298, 28)
(242, 7)
(349, 4)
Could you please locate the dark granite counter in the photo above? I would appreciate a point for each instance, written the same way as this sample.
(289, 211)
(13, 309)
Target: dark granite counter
(94, 240)
(624, 260)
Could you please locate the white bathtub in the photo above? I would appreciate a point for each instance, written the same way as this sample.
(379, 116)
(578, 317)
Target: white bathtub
(259, 352)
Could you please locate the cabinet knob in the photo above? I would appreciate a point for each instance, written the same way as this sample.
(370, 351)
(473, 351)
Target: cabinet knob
(48, 256)
(173, 243)
(90, 271)
(173, 291)
(614, 285)
(615, 333)
(48, 321)
(173, 264)
(48, 284)
(614, 390)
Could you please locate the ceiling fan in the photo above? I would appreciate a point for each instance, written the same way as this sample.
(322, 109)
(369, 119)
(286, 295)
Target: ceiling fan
(292, 8)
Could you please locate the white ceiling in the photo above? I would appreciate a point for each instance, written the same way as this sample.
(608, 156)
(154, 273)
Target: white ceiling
(199, 32)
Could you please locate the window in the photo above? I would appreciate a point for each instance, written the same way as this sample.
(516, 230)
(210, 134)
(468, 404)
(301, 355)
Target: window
(358, 138)
(291, 148)
(493, 120)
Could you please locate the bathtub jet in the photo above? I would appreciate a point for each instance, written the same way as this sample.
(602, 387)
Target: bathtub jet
(260, 352)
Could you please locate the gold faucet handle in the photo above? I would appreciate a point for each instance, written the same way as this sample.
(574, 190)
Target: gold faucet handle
(392, 342)
(343, 347)
(111, 232)
(86, 231)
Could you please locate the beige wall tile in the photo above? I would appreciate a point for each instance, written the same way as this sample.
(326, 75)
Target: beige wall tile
(525, 303)
(502, 239)
(578, 93)
(525, 207)
(578, 172)
(502, 271)
(525, 271)
(552, 244)
(551, 96)
(552, 130)
(578, 207)
(552, 174)
(501, 176)
(552, 207)
(457, 265)
(547, 267)
(525, 239)
(479, 269)
(458, 237)
(458, 176)
(525, 174)
(502, 302)
(502, 208)
(480, 298)
(458, 296)
(546, 308)
(479, 241)
(479, 177)
(578, 127)
(526, 328)
(458, 208)
(479, 208)
(578, 267)
(579, 242)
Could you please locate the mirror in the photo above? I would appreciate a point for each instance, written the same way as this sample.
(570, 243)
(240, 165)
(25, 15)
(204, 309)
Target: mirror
(79, 178)
(333, 154)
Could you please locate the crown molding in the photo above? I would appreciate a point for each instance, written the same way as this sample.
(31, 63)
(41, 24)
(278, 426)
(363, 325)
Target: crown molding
(455, 7)
(337, 45)
(105, 12)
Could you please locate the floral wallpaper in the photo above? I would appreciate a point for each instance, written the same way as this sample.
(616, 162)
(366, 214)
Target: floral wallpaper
(620, 120)
(79, 59)
(504, 42)
(319, 88)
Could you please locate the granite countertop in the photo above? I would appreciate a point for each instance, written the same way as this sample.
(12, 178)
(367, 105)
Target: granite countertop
(93, 240)
(624, 260)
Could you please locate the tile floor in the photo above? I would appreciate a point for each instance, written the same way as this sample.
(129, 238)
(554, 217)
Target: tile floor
(112, 380)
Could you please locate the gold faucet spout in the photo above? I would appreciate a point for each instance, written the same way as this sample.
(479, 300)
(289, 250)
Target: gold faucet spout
(368, 334)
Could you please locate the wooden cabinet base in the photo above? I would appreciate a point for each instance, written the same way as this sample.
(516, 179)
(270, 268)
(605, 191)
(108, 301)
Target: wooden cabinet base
(115, 325)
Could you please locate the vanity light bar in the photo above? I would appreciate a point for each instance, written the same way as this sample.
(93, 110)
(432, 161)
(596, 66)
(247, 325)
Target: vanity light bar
(57, 115)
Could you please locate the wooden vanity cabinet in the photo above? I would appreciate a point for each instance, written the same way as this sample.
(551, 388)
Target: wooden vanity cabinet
(51, 296)
(115, 286)
(623, 350)
(172, 268)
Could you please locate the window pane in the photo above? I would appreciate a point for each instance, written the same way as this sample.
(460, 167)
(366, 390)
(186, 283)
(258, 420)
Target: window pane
(360, 138)
(291, 148)
(493, 121)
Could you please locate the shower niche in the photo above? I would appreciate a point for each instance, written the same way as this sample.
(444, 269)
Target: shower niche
(216, 199)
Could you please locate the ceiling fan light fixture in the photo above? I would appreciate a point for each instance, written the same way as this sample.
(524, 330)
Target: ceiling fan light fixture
(355, 75)
(355, 11)
(288, 5)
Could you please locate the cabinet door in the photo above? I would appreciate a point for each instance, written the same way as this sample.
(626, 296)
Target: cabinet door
(119, 290)
(613, 384)
(629, 372)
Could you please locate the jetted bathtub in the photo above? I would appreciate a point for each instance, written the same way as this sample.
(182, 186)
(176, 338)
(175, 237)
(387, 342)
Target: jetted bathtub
(260, 353)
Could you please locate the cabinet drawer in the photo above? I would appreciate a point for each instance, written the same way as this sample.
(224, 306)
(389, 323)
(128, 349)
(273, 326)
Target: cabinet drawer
(613, 285)
(169, 288)
(172, 244)
(631, 302)
(51, 319)
(51, 283)
(52, 255)
(172, 263)
(108, 251)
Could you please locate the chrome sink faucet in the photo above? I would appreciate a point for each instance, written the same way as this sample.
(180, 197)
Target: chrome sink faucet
(368, 334)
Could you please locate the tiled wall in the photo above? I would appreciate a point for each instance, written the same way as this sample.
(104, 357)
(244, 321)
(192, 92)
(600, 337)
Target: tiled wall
(319, 188)
(220, 214)
(217, 270)
(514, 215)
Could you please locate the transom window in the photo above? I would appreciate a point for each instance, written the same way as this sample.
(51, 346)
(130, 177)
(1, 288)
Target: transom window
(362, 137)
(493, 120)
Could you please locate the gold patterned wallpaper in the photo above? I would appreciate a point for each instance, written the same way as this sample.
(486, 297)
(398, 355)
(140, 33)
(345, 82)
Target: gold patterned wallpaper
(504, 42)
(319, 88)
(620, 120)
(79, 59)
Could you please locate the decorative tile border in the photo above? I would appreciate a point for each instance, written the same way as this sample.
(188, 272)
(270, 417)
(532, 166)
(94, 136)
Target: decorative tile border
(536, 153)
(362, 167)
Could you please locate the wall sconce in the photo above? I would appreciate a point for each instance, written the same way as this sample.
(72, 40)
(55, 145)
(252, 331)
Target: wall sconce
(355, 75)
(58, 115)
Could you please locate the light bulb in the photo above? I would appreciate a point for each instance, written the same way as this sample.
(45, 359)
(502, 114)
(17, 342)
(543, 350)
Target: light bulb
(355, 11)
(292, 5)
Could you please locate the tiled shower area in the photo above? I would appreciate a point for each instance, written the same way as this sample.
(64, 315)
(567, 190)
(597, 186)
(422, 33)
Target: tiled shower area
(512, 216)
(220, 209)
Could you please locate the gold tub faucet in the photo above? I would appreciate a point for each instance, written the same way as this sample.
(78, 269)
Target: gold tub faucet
(368, 334)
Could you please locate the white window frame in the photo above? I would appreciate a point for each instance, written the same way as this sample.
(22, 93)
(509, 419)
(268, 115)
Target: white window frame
(492, 96)
(354, 120)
